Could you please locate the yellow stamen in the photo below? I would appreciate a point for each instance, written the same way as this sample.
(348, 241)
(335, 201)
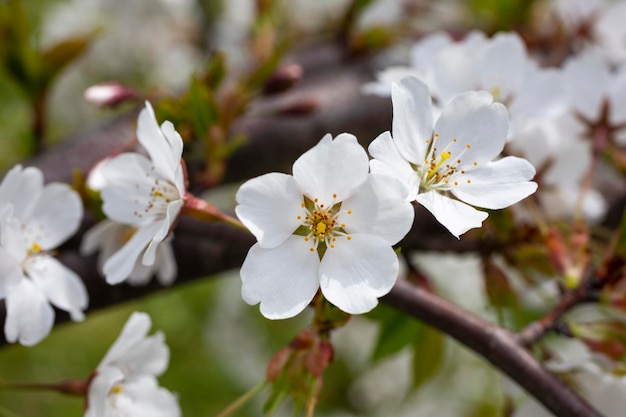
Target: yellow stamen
(445, 155)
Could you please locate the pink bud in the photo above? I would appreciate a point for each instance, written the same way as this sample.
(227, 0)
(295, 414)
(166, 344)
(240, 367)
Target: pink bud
(109, 94)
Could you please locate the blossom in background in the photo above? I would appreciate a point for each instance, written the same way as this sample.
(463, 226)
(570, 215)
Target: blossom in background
(125, 382)
(35, 219)
(500, 65)
(108, 237)
(330, 226)
(599, 22)
(448, 166)
(145, 194)
(563, 157)
(596, 93)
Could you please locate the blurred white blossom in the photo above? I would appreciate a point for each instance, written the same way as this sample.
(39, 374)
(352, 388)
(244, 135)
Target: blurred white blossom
(34, 220)
(125, 382)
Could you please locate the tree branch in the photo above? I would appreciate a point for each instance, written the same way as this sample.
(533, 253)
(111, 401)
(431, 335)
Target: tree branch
(494, 343)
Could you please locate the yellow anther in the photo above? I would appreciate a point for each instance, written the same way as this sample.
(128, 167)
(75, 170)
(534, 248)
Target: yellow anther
(349, 237)
(445, 155)
(36, 248)
(116, 389)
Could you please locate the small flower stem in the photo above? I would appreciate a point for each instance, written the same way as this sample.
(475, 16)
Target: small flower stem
(202, 210)
(243, 399)
(77, 387)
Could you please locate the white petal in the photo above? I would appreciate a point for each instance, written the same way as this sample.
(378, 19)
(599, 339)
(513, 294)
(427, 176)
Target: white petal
(388, 161)
(10, 272)
(171, 214)
(11, 235)
(119, 266)
(62, 286)
(135, 352)
(165, 150)
(497, 184)
(29, 315)
(283, 279)
(21, 187)
(617, 108)
(96, 237)
(587, 81)
(99, 389)
(269, 206)
(358, 271)
(385, 78)
(502, 65)
(166, 267)
(454, 70)
(472, 119)
(144, 397)
(128, 191)
(332, 167)
(55, 217)
(412, 123)
(378, 208)
(423, 53)
(456, 216)
(543, 96)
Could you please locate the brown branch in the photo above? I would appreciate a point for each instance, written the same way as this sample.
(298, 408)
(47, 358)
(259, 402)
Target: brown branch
(532, 333)
(494, 343)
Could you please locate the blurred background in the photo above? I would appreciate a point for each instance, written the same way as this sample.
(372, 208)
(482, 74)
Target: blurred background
(219, 345)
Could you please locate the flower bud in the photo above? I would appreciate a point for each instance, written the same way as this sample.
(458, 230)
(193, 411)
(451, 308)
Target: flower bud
(109, 94)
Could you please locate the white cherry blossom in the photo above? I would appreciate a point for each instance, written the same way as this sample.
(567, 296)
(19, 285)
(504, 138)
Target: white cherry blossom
(500, 65)
(146, 194)
(34, 220)
(595, 90)
(448, 166)
(330, 226)
(125, 382)
(600, 23)
(108, 237)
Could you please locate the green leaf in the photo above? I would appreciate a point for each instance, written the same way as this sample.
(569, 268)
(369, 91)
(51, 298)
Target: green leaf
(59, 56)
(620, 238)
(428, 355)
(396, 331)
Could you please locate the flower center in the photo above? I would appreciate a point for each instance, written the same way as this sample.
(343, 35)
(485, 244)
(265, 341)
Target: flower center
(321, 225)
(441, 169)
(161, 193)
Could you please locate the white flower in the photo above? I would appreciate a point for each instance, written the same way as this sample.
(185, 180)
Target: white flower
(499, 65)
(146, 194)
(563, 157)
(450, 166)
(125, 382)
(35, 219)
(600, 24)
(108, 237)
(595, 91)
(330, 226)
